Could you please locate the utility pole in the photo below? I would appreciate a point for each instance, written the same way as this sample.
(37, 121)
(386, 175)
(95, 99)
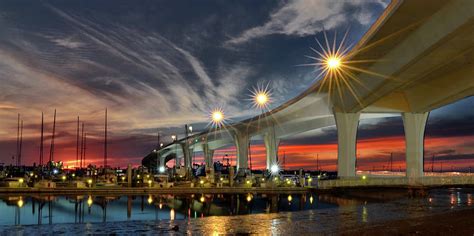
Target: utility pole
(250, 156)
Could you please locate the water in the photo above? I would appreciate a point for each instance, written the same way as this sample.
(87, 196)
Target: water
(223, 213)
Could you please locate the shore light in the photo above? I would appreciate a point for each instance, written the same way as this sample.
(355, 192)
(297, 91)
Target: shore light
(364, 177)
(21, 180)
(162, 169)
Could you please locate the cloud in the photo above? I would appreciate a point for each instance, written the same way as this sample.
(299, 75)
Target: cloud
(308, 17)
(68, 43)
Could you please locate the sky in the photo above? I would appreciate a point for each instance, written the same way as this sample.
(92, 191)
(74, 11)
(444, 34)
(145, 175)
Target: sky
(157, 65)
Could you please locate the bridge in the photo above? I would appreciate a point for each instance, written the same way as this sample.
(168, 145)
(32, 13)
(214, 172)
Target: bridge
(418, 56)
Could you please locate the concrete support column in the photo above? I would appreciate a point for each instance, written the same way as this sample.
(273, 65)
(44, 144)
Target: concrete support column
(271, 147)
(242, 142)
(208, 156)
(414, 124)
(187, 153)
(347, 124)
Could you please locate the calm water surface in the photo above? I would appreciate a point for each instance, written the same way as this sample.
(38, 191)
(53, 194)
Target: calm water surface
(208, 214)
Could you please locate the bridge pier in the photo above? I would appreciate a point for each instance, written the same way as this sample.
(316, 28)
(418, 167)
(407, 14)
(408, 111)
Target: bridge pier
(346, 124)
(414, 125)
(208, 156)
(242, 142)
(187, 153)
(271, 147)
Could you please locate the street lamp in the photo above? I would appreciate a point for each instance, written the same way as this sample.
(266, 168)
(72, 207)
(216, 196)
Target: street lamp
(261, 97)
(173, 137)
(161, 145)
(190, 128)
(274, 169)
(333, 62)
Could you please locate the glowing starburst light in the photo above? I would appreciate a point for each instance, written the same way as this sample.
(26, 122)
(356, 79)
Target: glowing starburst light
(261, 97)
(333, 63)
(217, 118)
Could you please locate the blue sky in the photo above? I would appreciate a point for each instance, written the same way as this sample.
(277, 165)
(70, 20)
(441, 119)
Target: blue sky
(157, 64)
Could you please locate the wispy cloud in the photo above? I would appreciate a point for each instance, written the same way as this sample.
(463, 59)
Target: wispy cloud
(308, 17)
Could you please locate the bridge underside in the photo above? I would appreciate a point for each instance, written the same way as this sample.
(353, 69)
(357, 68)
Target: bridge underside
(419, 57)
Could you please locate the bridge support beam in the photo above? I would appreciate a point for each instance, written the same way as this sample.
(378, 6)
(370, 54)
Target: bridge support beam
(271, 147)
(242, 142)
(187, 153)
(208, 156)
(346, 124)
(414, 125)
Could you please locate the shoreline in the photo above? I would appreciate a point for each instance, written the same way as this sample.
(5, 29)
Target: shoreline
(459, 222)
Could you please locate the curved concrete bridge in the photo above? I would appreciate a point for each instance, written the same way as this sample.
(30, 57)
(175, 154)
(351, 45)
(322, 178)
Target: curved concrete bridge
(425, 52)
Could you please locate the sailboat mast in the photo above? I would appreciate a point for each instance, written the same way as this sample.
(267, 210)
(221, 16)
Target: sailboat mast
(51, 150)
(105, 141)
(85, 142)
(18, 139)
(77, 142)
(41, 139)
(82, 144)
(21, 143)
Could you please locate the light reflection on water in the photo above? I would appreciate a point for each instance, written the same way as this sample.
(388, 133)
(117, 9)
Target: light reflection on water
(160, 213)
(29, 210)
